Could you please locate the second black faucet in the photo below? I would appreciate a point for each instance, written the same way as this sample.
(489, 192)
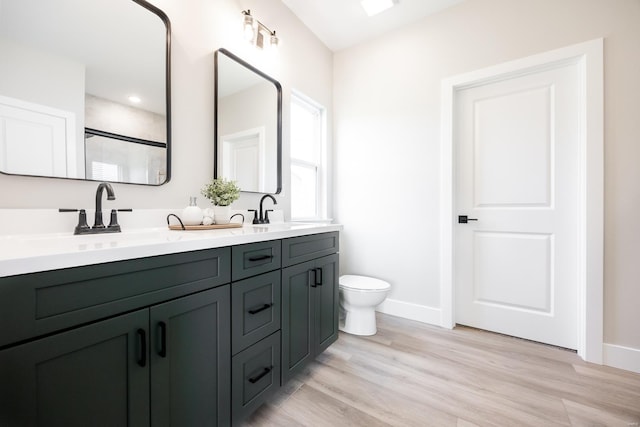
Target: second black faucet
(263, 217)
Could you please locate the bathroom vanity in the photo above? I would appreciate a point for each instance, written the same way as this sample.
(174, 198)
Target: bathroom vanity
(161, 327)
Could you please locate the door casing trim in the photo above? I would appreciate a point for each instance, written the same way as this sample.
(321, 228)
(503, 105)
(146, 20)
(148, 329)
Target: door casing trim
(589, 57)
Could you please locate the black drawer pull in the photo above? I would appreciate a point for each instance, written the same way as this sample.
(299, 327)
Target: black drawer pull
(259, 309)
(318, 275)
(258, 377)
(142, 358)
(260, 257)
(163, 339)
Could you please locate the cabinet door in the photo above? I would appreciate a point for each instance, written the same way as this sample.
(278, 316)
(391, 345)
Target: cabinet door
(95, 375)
(297, 315)
(191, 360)
(325, 303)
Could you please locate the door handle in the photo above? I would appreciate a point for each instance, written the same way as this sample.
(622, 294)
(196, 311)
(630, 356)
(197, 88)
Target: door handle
(318, 276)
(142, 350)
(163, 339)
(310, 281)
(463, 219)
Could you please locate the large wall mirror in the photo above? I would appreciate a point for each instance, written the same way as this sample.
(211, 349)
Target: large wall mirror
(85, 90)
(248, 141)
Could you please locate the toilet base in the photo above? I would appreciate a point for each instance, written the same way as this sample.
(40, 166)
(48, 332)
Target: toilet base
(358, 321)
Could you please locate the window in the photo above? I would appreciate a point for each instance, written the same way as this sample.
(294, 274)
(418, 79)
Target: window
(101, 171)
(308, 159)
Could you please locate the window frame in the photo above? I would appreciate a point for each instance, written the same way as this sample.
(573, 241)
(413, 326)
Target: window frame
(321, 165)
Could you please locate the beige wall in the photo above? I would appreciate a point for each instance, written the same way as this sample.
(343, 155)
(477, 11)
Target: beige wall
(199, 27)
(387, 109)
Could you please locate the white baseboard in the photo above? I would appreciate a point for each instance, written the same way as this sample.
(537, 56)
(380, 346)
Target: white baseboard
(407, 310)
(621, 357)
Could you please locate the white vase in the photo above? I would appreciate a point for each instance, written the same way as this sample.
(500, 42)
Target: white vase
(221, 214)
(192, 214)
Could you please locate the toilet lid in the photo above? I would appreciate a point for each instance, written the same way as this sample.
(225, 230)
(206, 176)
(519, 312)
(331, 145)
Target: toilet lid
(363, 283)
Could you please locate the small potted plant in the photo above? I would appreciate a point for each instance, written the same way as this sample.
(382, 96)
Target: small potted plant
(222, 192)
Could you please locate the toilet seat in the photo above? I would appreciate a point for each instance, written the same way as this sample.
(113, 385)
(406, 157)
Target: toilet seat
(363, 283)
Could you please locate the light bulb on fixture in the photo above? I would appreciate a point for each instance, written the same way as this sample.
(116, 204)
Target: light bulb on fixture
(247, 23)
(274, 41)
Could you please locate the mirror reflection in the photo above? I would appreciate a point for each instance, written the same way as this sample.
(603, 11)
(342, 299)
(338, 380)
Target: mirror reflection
(248, 125)
(84, 90)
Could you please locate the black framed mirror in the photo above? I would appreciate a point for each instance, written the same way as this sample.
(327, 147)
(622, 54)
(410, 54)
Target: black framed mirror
(248, 123)
(85, 90)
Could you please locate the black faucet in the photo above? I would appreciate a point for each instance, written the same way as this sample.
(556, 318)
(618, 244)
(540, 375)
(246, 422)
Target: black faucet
(264, 216)
(98, 226)
(97, 223)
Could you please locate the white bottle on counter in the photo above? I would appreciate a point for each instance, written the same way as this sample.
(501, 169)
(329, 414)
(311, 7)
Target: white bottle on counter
(192, 214)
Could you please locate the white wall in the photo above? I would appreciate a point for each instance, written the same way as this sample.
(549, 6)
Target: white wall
(199, 27)
(387, 130)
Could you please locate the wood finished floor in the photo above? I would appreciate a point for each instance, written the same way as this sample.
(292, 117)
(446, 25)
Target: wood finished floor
(412, 374)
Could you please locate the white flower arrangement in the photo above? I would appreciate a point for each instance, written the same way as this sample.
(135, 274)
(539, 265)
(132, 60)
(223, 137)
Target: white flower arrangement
(221, 192)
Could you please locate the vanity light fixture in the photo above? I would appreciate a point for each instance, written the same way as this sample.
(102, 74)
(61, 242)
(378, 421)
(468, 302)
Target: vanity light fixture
(256, 32)
(373, 7)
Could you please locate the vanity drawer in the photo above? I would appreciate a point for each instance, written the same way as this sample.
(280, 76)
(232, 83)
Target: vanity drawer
(255, 375)
(305, 248)
(255, 258)
(255, 309)
(40, 303)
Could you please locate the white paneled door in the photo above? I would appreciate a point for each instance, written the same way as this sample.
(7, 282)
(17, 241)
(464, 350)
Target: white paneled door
(517, 154)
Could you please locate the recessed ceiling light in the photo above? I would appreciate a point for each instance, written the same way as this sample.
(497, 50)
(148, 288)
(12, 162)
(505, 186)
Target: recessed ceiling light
(373, 7)
(134, 99)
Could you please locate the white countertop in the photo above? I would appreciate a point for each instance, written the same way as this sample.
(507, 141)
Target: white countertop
(21, 254)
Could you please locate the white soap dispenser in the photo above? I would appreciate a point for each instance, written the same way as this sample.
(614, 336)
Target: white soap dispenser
(192, 214)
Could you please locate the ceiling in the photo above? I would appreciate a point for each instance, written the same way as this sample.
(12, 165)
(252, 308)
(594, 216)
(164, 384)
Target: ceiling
(343, 23)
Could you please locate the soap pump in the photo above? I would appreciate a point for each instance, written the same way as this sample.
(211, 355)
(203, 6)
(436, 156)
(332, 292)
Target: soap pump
(192, 214)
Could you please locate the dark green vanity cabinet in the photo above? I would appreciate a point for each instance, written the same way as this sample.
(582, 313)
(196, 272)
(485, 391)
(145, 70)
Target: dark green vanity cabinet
(172, 358)
(195, 338)
(309, 299)
(164, 363)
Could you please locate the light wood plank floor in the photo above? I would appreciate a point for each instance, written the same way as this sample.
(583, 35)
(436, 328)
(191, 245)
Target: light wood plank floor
(411, 374)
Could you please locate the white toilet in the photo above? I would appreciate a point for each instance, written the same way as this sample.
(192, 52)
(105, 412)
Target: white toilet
(359, 296)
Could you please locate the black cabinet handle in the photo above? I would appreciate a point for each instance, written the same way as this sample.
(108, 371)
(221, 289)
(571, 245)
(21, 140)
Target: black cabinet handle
(163, 339)
(260, 257)
(318, 274)
(311, 282)
(142, 339)
(258, 377)
(259, 309)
